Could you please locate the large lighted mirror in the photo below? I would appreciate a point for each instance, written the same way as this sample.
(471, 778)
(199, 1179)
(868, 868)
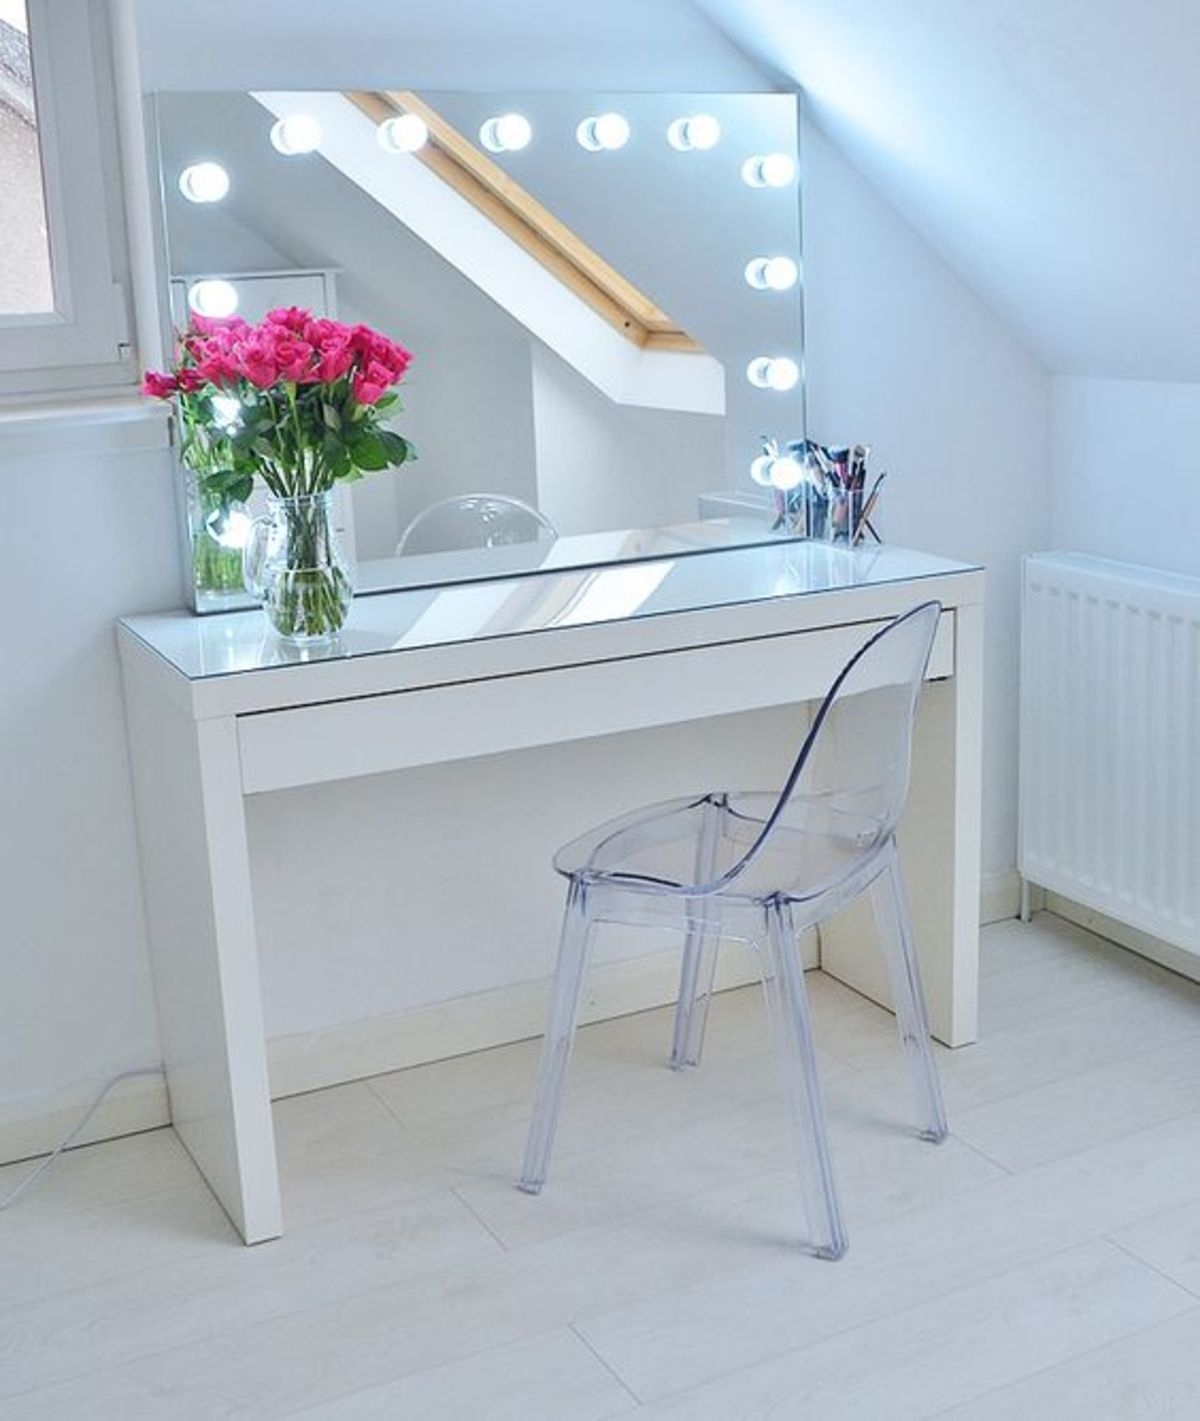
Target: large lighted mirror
(602, 294)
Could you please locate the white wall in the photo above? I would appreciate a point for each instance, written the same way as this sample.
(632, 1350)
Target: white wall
(903, 356)
(1127, 471)
(88, 534)
(602, 465)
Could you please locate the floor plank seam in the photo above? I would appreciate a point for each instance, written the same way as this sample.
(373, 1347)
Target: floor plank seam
(1072, 1360)
(608, 1367)
(1145, 1262)
(479, 1219)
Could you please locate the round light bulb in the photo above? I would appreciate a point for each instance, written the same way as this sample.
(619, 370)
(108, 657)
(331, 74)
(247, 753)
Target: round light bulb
(604, 133)
(769, 170)
(213, 298)
(696, 134)
(204, 182)
(298, 133)
(772, 273)
(507, 133)
(406, 133)
(230, 527)
(786, 474)
(760, 469)
(227, 411)
(773, 372)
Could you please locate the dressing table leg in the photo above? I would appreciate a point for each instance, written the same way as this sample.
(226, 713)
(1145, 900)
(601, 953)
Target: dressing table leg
(939, 841)
(196, 881)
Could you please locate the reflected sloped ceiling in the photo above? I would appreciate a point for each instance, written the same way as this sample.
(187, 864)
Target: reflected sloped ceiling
(1047, 149)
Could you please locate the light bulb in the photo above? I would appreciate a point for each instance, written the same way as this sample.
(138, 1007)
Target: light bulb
(772, 273)
(507, 133)
(227, 411)
(213, 298)
(769, 170)
(298, 133)
(760, 469)
(204, 182)
(773, 372)
(406, 133)
(697, 134)
(604, 133)
(230, 527)
(786, 474)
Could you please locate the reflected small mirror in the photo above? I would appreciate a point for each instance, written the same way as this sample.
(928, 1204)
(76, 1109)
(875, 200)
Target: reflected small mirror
(602, 294)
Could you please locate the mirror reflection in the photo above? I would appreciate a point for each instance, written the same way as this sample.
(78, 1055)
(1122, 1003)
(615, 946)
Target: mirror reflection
(601, 292)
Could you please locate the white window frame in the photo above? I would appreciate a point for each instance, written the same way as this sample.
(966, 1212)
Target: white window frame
(85, 343)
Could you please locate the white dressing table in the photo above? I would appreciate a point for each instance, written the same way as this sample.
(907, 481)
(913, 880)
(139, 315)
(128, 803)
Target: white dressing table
(218, 711)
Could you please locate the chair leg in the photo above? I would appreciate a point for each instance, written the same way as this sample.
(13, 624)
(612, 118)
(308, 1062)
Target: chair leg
(890, 901)
(700, 948)
(573, 953)
(788, 998)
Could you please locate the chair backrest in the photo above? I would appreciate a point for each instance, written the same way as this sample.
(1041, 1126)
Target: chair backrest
(850, 780)
(474, 520)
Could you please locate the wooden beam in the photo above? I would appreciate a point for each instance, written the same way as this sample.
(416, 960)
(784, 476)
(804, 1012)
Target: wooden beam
(491, 191)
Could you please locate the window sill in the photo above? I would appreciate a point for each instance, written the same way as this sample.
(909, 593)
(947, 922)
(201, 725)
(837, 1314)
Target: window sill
(122, 424)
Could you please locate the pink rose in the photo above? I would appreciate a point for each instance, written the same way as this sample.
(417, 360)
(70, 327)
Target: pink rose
(160, 386)
(336, 359)
(215, 363)
(370, 384)
(218, 325)
(255, 357)
(294, 359)
(290, 318)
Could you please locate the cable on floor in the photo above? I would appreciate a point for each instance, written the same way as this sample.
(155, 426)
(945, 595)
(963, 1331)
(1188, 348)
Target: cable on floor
(29, 1180)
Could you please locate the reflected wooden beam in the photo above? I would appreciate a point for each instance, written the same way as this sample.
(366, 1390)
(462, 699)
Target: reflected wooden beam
(517, 213)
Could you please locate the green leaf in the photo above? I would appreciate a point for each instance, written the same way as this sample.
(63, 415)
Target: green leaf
(368, 452)
(396, 447)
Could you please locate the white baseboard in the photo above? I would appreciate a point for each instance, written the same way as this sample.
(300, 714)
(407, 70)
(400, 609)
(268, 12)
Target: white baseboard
(1187, 964)
(313, 1060)
(134, 1105)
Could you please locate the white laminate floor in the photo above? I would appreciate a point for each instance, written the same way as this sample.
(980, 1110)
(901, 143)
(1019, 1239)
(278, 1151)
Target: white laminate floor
(1044, 1263)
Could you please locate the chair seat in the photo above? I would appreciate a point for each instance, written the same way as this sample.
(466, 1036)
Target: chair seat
(652, 850)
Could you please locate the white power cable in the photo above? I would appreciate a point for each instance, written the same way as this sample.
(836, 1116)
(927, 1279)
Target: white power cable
(29, 1179)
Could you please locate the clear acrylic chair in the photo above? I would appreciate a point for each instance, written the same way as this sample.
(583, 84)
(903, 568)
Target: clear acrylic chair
(475, 520)
(764, 867)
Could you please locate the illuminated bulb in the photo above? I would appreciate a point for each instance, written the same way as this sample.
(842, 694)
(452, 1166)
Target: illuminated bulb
(696, 134)
(226, 410)
(230, 527)
(772, 273)
(603, 134)
(406, 133)
(298, 133)
(769, 170)
(786, 474)
(760, 470)
(204, 182)
(213, 298)
(507, 133)
(773, 372)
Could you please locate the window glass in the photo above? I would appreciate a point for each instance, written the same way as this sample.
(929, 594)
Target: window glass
(26, 287)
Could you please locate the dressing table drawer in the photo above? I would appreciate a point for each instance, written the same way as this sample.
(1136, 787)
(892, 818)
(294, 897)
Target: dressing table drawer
(372, 734)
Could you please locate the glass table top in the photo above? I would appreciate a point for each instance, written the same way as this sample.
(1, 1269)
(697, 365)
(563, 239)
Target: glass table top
(233, 643)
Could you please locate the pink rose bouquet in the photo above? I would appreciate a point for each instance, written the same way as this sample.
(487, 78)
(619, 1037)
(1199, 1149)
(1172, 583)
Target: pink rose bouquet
(297, 400)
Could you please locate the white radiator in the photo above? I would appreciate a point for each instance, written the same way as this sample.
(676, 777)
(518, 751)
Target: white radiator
(1110, 740)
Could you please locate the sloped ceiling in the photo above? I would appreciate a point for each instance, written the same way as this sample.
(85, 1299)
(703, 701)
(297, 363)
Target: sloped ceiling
(1048, 149)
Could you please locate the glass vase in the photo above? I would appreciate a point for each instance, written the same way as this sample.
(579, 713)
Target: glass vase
(295, 566)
